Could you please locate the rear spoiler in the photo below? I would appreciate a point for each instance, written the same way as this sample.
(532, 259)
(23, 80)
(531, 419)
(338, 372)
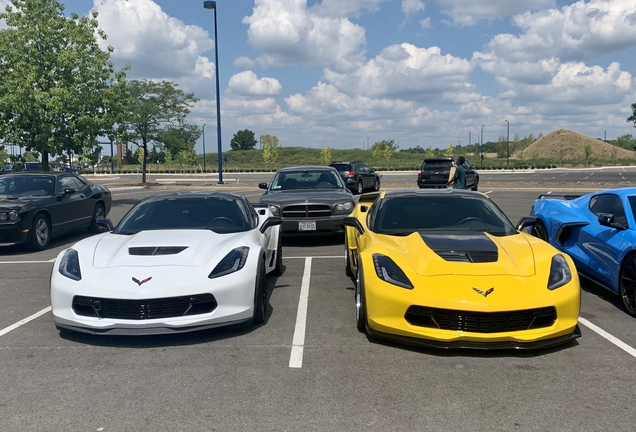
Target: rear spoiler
(369, 197)
(558, 196)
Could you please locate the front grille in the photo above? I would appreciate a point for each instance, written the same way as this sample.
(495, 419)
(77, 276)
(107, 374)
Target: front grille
(307, 211)
(137, 310)
(480, 322)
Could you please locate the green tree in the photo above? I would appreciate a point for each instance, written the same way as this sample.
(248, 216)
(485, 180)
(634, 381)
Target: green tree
(588, 154)
(243, 140)
(141, 155)
(450, 150)
(30, 156)
(384, 149)
(187, 157)
(179, 138)
(153, 109)
(59, 91)
(270, 148)
(168, 158)
(325, 156)
(429, 152)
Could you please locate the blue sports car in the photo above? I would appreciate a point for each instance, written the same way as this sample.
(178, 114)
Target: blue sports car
(597, 230)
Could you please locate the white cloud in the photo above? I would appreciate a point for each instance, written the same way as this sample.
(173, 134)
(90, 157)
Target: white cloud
(581, 31)
(426, 23)
(468, 12)
(244, 62)
(406, 72)
(248, 84)
(344, 8)
(155, 44)
(287, 33)
(412, 7)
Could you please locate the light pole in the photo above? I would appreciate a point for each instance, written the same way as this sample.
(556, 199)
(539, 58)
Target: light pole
(204, 147)
(481, 155)
(507, 144)
(212, 5)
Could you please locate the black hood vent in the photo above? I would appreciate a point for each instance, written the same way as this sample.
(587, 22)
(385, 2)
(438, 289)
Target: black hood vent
(156, 250)
(475, 248)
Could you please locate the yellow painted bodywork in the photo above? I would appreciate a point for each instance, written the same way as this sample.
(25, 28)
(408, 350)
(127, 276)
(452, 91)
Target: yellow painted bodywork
(519, 278)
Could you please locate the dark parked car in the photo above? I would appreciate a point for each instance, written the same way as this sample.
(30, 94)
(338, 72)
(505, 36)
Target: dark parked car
(8, 168)
(357, 176)
(32, 166)
(435, 172)
(310, 199)
(34, 207)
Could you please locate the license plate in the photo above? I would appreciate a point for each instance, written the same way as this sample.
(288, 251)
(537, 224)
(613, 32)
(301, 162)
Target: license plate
(306, 226)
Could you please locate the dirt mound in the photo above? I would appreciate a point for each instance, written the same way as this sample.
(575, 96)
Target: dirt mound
(567, 145)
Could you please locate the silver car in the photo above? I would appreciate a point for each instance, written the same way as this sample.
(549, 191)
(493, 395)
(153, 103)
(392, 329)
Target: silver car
(312, 200)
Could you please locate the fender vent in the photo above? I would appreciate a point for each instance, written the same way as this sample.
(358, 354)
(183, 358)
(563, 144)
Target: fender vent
(156, 250)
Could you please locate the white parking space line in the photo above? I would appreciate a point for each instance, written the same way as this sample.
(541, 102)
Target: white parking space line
(27, 262)
(619, 343)
(298, 343)
(24, 321)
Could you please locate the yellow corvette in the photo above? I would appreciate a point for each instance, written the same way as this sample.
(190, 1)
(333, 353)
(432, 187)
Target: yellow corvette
(446, 268)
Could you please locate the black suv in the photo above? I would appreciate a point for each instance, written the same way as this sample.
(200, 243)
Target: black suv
(357, 176)
(435, 173)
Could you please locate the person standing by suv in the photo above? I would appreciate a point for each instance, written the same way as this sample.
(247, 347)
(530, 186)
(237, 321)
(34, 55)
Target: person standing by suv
(459, 179)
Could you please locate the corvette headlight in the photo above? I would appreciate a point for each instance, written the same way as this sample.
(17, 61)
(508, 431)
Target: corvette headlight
(559, 272)
(233, 262)
(388, 271)
(70, 266)
(275, 210)
(345, 207)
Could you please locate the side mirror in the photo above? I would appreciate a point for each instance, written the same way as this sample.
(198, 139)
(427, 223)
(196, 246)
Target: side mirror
(472, 167)
(353, 222)
(607, 219)
(270, 222)
(105, 223)
(262, 185)
(525, 222)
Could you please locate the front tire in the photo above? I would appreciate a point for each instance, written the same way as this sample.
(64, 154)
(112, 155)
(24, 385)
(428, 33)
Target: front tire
(348, 271)
(474, 188)
(278, 270)
(40, 233)
(539, 230)
(260, 297)
(98, 213)
(376, 185)
(627, 282)
(361, 307)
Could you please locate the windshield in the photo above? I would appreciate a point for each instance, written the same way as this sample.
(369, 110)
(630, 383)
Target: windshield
(306, 179)
(221, 215)
(26, 185)
(449, 214)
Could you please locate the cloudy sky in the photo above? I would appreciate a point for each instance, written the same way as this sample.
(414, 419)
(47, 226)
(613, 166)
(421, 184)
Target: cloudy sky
(331, 73)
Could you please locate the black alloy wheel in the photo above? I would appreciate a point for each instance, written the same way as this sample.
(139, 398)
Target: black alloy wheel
(260, 297)
(40, 232)
(98, 213)
(539, 230)
(627, 281)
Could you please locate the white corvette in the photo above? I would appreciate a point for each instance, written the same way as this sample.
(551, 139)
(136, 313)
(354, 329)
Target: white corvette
(175, 263)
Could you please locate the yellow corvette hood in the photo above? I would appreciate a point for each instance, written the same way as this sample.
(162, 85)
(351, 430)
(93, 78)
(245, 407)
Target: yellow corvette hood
(475, 254)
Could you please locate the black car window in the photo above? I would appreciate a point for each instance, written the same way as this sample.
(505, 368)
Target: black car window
(437, 165)
(363, 168)
(450, 214)
(222, 215)
(341, 167)
(608, 203)
(69, 182)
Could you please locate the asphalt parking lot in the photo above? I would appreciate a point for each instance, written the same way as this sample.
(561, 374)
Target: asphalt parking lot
(306, 368)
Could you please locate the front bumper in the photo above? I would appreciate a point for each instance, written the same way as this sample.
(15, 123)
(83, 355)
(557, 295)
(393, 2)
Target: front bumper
(14, 233)
(324, 226)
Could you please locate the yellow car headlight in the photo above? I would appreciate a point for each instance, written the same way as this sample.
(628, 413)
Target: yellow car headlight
(388, 271)
(559, 272)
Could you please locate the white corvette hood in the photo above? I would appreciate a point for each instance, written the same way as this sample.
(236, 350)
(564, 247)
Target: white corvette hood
(187, 248)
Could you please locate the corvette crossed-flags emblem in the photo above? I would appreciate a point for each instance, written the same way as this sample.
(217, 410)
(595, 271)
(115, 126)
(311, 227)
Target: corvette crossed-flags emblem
(485, 294)
(141, 282)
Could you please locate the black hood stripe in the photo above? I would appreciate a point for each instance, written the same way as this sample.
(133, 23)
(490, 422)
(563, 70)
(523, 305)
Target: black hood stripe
(477, 248)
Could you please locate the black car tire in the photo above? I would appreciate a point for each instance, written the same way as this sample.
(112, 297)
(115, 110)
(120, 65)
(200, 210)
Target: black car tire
(627, 282)
(361, 307)
(98, 213)
(359, 187)
(376, 185)
(40, 233)
(260, 297)
(278, 269)
(539, 230)
(474, 188)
